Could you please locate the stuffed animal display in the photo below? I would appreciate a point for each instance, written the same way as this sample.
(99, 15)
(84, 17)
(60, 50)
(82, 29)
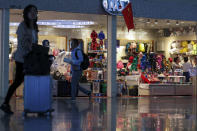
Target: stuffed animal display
(184, 47)
(94, 45)
(101, 37)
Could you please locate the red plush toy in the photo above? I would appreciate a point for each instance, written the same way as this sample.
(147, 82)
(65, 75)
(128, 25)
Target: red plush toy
(94, 44)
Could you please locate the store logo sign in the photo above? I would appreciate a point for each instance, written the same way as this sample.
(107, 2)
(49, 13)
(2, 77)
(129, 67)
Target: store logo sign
(115, 7)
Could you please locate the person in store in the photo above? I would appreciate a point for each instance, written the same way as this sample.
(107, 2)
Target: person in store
(176, 64)
(76, 70)
(186, 67)
(27, 36)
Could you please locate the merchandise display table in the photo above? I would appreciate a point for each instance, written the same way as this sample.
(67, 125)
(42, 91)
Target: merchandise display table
(165, 89)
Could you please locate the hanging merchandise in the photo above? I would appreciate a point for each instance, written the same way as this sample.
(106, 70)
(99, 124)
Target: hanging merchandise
(137, 48)
(146, 47)
(120, 65)
(159, 62)
(128, 49)
(133, 47)
(141, 47)
(143, 63)
(184, 47)
(94, 44)
(140, 55)
(190, 47)
(144, 79)
(101, 37)
(134, 64)
(129, 63)
(194, 52)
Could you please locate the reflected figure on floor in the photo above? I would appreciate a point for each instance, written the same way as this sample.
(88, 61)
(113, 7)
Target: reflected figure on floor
(38, 124)
(5, 122)
(78, 116)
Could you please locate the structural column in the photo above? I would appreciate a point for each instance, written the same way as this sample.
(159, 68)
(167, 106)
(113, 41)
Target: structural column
(4, 51)
(111, 54)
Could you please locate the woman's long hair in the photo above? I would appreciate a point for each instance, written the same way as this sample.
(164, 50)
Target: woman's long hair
(75, 43)
(26, 19)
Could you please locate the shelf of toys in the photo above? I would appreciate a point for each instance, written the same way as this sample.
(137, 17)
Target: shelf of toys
(150, 73)
(97, 72)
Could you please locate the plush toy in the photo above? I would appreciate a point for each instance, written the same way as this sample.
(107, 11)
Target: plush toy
(184, 46)
(94, 44)
(152, 60)
(144, 79)
(120, 65)
(164, 64)
(194, 52)
(159, 61)
(127, 50)
(93, 35)
(143, 63)
(169, 64)
(133, 47)
(140, 55)
(190, 47)
(141, 47)
(174, 48)
(101, 37)
(134, 64)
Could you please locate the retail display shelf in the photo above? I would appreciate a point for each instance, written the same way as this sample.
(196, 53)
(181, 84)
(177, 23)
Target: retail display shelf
(97, 51)
(97, 60)
(96, 69)
(98, 80)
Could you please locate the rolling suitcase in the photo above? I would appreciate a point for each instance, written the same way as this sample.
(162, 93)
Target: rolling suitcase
(37, 94)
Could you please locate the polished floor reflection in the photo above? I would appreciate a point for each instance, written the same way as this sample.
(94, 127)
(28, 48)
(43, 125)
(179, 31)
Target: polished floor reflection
(101, 114)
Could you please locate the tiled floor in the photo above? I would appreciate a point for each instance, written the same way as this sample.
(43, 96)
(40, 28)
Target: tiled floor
(122, 114)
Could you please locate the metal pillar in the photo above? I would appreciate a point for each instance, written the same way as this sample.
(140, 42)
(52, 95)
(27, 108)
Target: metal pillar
(4, 51)
(111, 54)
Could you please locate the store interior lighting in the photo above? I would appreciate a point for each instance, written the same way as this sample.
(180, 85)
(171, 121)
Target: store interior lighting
(168, 22)
(177, 23)
(156, 22)
(68, 26)
(61, 23)
(148, 21)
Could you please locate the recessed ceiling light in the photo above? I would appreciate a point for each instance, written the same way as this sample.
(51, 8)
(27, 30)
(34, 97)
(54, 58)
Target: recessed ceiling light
(148, 21)
(177, 23)
(156, 22)
(68, 26)
(168, 22)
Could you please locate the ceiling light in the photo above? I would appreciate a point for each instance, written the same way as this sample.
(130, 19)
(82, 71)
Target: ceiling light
(14, 24)
(156, 22)
(68, 26)
(168, 22)
(148, 21)
(177, 23)
(65, 22)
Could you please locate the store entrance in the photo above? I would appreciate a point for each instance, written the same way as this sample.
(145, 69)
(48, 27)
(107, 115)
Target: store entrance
(157, 58)
(59, 28)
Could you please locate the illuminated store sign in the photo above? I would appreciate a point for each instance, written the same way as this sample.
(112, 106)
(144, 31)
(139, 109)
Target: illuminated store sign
(115, 7)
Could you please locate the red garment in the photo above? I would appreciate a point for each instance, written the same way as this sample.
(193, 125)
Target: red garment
(93, 34)
(144, 79)
(128, 16)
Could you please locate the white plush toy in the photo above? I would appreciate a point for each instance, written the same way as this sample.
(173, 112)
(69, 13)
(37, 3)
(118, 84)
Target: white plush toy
(173, 48)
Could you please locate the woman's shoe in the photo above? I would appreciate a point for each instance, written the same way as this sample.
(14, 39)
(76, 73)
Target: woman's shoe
(6, 108)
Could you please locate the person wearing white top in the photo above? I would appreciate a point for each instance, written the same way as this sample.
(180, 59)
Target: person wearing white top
(186, 67)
